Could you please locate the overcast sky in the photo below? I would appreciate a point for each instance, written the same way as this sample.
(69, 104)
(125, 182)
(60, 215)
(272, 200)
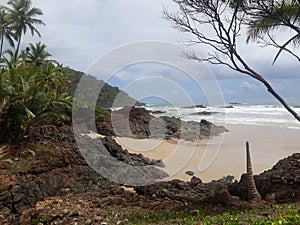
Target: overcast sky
(78, 32)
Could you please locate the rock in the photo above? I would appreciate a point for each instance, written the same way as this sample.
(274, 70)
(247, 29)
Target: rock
(190, 173)
(204, 113)
(157, 112)
(138, 123)
(55, 169)
(223, 198)
(281, 182)
(130, 158)
(191, 193)
(7, 181)
(195, 181)
(195, 106)
(74, 213)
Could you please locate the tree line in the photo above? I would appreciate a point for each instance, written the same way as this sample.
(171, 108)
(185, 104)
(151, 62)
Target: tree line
(33, 88)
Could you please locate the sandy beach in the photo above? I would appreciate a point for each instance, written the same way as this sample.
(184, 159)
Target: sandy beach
(220, 156)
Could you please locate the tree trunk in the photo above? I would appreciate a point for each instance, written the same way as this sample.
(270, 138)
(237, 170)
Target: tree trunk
(253, 194)
(18, 46)
(270, 89)
(1, 47)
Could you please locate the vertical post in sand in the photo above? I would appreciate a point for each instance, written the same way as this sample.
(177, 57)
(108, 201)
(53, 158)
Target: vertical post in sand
(253, 194)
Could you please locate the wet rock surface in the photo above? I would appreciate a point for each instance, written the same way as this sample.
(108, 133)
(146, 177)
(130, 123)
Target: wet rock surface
(139, 123)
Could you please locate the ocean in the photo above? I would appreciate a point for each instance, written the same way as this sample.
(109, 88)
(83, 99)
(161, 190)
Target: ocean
(244, 114)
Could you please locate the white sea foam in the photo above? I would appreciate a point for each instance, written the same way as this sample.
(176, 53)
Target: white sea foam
(270, 115)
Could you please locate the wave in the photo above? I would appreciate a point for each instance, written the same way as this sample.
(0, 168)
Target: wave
(270, 115)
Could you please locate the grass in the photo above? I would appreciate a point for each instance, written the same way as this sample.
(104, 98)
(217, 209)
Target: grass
(285, 214)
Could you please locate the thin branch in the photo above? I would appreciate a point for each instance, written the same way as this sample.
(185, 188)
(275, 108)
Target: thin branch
(195, 14)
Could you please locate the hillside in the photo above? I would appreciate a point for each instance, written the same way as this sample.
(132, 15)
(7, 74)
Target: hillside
(108, 93)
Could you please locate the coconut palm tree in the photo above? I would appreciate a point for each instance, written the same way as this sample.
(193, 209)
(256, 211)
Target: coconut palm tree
(27, 98)
(22, 16)
(253, 194)
(274, 15)
(37, 54)
(5, 31)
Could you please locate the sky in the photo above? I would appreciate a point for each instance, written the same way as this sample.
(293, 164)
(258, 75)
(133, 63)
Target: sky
(79, 33)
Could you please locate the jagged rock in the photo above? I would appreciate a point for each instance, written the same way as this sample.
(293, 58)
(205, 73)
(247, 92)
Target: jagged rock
(157, 112)
(119, 165)
(58, 168)
(190, 173)
(204, 113)
(195, 106)
(130, 158)
(282, 181)
(135, 122)
(193, 192)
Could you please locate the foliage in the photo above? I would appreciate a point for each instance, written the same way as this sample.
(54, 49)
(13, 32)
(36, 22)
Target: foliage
(33, 89)
(226, 20)
(37, 54)
(288, 214)
(29, 95)
(5, 31)
(108, 93)
(268, 17)
(21, 16)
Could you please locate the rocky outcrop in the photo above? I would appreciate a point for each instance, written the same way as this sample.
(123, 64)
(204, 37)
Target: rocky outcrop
(195, 106)
(90, 209)
(139, 123)
(203, 113)
(45, 168)
(157, 112)
(129, 158)
(127, 122)
(194, 192)
(53, 171)
(280, 184)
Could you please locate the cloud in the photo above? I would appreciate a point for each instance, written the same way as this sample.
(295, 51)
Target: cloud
(86, 30)
(245, 86)
(78, 32)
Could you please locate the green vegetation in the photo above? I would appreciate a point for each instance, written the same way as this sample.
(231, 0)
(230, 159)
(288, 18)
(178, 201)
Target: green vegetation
(107, 94)
(31, 86)
(35, 90)
(269, 17)
(288, 214)
(35, 221)
(21, 16)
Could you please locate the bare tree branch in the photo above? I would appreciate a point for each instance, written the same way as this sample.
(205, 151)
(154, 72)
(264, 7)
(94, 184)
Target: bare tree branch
(225, 18)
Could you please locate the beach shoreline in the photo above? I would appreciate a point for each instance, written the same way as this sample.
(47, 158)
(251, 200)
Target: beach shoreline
(219, 156)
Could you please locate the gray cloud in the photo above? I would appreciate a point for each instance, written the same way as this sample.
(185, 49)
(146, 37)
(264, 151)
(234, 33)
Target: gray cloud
(77, 32)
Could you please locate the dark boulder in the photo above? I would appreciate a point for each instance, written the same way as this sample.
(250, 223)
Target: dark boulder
(282, 182)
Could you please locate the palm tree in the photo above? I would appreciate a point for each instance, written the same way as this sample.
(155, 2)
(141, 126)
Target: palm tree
(5, 31)
(37, 54)
(253, 194)
(265, 18)
(29, 96)
(11, 59)
(22, 16)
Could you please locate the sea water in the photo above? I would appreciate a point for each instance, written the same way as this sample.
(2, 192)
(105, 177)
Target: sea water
(244, 114)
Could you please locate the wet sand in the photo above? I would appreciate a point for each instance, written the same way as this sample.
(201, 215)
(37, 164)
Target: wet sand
(220, 156)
